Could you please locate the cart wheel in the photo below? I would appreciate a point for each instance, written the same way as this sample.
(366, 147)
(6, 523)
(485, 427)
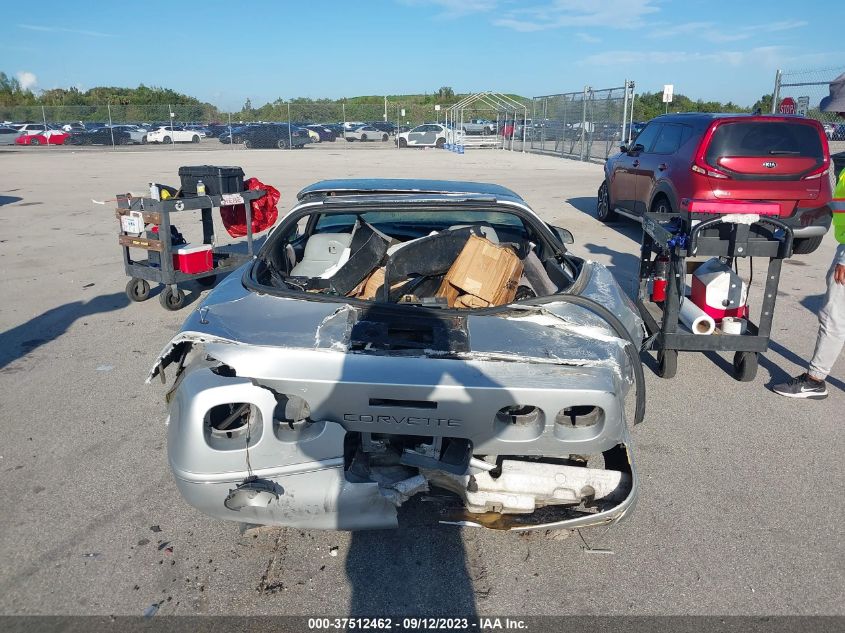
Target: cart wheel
(171, 300)
(138, 289)
(745, 366)
(667, 363)
(207, 282)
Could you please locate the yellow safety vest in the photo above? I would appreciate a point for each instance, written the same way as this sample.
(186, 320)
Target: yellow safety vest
(839, 192)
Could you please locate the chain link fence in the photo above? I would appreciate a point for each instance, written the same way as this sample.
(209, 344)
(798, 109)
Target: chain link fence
(200, 126)
(800, 92)
(586, 125)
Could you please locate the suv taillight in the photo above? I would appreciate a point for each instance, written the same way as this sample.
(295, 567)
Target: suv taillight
(707, 171)
(821, 170)
(700, 164)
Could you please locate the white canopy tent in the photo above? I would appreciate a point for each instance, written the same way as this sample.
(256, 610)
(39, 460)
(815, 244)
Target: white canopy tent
(505, 107)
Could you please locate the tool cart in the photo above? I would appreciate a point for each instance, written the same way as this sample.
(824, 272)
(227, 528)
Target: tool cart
(168, 264)
(667, 242)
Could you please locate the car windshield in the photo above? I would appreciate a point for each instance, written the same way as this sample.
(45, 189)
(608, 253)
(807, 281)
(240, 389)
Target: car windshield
(413, 222)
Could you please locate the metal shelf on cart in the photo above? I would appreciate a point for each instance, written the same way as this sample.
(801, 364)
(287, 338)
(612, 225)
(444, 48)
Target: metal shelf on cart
(193, 203)
(154, 273)
(686, 341)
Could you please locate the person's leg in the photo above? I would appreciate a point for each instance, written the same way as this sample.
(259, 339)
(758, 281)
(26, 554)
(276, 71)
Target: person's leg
(831, 330)
(829, 343)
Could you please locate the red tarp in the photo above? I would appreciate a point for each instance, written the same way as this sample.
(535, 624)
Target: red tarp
(264, 212)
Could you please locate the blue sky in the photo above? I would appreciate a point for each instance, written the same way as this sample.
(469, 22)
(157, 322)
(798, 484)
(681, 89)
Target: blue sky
(224, 52)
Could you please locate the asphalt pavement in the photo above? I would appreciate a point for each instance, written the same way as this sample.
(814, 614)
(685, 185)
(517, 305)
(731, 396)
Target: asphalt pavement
(741, 505)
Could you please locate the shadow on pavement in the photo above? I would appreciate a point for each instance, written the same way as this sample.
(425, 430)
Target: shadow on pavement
(26, 337)
(779, 375)
(630, 229)
(413, 571)
(624, 266)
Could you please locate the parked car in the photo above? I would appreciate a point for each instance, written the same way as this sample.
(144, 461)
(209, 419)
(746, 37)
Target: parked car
(384, 126)
(33, 128)
(366, 133)
(8, 135)
(137, 134)
(102, 136)
(172, 134)
(325, 133)
(337, 128)
(216, 129)
(278, 135)
(229, 136)
(73, 127)
(199, 129)
(296, 402)
(425, 135)
(716, 160)
(56, 138)
(479, 126)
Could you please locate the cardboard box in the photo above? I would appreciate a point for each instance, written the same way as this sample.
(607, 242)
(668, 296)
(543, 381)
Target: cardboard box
(372, 284)
(484, 274)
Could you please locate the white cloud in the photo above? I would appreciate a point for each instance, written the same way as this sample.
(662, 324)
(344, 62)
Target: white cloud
(61, 29)
(589, 39)
(713, 32)
(616, 14)
(26, 79)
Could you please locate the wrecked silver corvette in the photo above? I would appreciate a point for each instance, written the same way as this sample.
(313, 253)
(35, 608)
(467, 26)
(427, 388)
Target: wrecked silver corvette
(305, 395)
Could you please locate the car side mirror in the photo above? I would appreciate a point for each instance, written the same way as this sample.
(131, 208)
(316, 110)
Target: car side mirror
(623, 149)
(638, 148)
(564, 235)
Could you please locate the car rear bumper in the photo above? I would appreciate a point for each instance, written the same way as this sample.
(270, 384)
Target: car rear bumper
(306, 468)
(809, 221)
(805, 222)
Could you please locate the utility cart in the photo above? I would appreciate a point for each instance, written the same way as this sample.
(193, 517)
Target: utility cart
(159, 265)
(667, 242)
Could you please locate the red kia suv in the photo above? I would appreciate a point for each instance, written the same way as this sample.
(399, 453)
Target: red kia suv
(713, 163)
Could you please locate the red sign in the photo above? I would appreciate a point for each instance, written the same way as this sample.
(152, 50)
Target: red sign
(787, 106)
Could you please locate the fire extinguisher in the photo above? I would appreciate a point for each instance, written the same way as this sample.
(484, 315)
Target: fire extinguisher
(659, 278)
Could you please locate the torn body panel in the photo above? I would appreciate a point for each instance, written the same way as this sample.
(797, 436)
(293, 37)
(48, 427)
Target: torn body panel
(532, 359)
(313, 410)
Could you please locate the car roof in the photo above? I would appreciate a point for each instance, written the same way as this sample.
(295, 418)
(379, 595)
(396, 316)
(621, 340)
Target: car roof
(374, 186)
(712, 116)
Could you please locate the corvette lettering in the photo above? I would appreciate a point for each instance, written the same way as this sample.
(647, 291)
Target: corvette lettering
(392, 419)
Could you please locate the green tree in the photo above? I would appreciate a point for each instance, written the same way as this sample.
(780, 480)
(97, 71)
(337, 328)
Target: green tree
(764, 104)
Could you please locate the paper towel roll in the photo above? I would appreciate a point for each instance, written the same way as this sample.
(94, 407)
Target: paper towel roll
(733, 325)
(698, 321)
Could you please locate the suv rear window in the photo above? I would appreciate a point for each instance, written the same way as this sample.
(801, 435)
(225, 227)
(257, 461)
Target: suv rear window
(764, 138)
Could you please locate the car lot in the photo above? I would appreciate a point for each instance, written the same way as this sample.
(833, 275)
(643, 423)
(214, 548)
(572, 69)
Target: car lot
(740, 504)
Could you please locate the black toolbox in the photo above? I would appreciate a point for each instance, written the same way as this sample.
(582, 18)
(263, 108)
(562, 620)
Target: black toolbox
(217, 180)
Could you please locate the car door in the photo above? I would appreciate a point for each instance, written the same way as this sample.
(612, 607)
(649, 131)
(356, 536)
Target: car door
(8, 136)
(430, 134)
(415, 136)
(623, 189)
(655, 163)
